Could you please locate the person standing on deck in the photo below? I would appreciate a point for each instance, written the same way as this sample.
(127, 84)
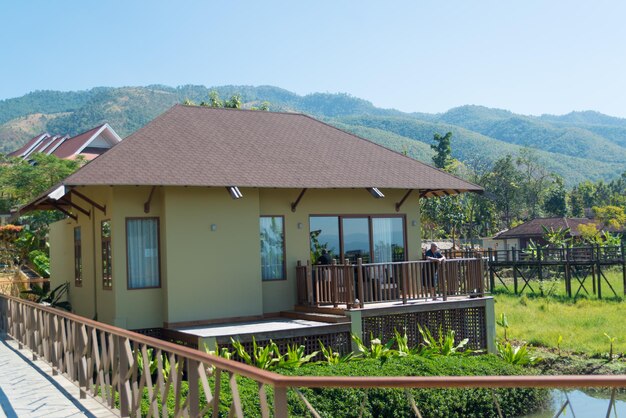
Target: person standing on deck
(437, 258)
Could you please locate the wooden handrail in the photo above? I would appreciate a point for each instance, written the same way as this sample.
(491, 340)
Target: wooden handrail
(73, 345)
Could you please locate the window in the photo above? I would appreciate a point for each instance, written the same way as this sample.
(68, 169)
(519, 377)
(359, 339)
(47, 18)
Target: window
(272, 248)
(142, 253)
(105, 240)
(378, 239)
(78, 258)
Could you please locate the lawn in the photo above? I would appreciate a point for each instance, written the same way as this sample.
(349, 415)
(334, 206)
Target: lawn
(581, 322)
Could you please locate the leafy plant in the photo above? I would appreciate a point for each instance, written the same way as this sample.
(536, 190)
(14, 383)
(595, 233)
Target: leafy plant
(295, 357)
(266, 358)
(504, 323)
(220, 352)
(51, 298)
(558, 344)
(41, 262)
(403, 345)
(442, 346)
(376, 350)
(518, 355)
(333, 357)
(611, 342)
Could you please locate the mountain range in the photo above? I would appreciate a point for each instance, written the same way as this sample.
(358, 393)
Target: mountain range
(578, 146)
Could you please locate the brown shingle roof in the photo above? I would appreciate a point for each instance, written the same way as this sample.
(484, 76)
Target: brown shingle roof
(534, 228)
(72, 145)
(198, 146)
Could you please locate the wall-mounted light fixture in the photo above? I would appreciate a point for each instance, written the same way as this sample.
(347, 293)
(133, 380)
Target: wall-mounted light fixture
(413, 223)
(375, 192)
(299, 225)
(213, 227)
(234, 192)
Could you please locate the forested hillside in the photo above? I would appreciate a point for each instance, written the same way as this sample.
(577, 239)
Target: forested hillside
(578, 146)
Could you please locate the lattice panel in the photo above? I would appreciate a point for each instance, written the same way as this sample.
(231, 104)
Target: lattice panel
(339, 341)
(466, 323)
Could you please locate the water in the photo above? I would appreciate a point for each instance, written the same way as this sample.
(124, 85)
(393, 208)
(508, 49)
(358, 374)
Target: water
(583, 405)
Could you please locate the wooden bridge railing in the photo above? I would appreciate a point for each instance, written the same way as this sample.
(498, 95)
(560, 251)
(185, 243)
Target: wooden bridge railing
(354, 285)
(591, 253)
(104, 361)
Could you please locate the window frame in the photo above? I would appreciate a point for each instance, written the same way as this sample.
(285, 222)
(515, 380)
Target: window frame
(158, 227)
(369, 217)
(109, 254)
(284, 268)
(78, 257)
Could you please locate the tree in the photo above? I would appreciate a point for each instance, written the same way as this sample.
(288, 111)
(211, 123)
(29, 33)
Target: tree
(503, 184)
(443, 152)
(610, 216)
(535, 181)
(555, 203)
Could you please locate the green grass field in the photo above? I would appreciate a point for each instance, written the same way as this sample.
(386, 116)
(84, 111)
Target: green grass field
(582, 322)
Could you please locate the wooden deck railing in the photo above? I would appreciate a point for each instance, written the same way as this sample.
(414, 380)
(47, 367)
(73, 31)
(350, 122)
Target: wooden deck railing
(354, 285)
(104, 361)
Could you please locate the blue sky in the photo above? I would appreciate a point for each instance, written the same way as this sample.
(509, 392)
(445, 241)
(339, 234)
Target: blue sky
(530, 56)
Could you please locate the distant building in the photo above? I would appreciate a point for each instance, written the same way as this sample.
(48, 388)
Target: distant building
(89, 144)
(520, 236)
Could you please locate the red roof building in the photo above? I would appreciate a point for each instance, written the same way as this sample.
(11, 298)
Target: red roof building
(89, 144)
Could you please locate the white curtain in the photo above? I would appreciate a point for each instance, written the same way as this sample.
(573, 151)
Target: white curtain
(143, 253)
(382, 230)
(272, 248)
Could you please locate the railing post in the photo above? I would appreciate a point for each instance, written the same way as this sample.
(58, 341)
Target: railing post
(124, 391)
(280, 402)
(348, 284)
(492, 277)
(360, 284)
(334, 284)
(623, 266)
(444, 278)
(405, 282)
(309, 283)
(193, 378)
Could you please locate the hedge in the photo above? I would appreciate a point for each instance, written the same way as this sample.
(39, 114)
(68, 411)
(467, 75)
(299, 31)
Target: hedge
(388, 403)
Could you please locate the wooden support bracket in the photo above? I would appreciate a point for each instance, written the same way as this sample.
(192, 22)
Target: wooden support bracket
(59, 208)
(102, 209)
(294, 205)
(146, 206)
(75, 206)
(404, 198)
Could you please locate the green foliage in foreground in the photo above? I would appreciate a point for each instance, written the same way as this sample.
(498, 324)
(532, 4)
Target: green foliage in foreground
(340, 403)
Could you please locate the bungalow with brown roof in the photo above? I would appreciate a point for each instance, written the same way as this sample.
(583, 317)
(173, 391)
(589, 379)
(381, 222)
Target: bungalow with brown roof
(89, 144)
(520, 236)
(204, 214)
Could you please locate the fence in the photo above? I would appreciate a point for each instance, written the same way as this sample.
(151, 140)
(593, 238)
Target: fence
(112, 364)
(360, 283)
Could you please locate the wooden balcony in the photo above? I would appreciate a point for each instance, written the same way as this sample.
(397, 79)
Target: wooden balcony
(354, 285)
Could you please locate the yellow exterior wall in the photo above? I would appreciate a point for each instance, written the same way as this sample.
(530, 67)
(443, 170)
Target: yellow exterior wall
(281, 295)
(136, 308)
(212, 274)
(205, 274)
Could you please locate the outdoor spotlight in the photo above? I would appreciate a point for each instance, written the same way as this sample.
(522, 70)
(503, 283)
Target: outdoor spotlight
(235, 193)
(375, 192)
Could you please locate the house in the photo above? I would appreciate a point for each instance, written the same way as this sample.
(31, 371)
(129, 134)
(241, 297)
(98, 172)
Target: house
(89, 144)
(203, 216)
(520, 236)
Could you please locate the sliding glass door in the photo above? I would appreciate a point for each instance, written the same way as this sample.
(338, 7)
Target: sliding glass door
(377, 238)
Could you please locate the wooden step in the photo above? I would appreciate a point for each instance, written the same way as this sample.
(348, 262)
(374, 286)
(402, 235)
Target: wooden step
(316, 316)
(319, 309)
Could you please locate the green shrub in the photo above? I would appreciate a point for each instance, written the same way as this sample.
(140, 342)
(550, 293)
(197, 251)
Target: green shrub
(41, 262)
(338, 403)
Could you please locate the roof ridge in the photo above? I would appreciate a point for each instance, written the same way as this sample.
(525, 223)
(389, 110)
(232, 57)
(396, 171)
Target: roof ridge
(230, 109)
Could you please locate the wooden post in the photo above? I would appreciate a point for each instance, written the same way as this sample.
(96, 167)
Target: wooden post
(405, 282)
(623, 266)
(334, 284)
(348, 283)
(539, 269)
(515, 279)
(491, 274)
(359, 282)
(193, 396)
(443, 277)
(599, 273)
(280, 402)
(311, 295)
(568, 274)
(124, 353)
